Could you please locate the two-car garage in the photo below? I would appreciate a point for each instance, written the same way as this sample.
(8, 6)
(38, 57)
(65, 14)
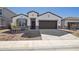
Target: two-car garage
(46, 24)
(49, 21)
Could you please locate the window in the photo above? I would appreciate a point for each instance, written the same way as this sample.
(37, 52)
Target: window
(0, 12)
(21, 22)
(18, 22)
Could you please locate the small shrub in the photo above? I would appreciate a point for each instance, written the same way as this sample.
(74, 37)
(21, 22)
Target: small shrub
(13, 26)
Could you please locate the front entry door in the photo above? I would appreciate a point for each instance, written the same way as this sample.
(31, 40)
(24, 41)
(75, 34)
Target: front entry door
(33, 23)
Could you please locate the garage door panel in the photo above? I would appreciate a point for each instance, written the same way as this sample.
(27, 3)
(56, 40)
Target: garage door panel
(47, 24)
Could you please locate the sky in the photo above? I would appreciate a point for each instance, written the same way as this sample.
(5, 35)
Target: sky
(61, 11)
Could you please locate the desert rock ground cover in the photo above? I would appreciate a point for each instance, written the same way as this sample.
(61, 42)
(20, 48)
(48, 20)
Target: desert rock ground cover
(76, 33)
(6, 35)
(73, 32)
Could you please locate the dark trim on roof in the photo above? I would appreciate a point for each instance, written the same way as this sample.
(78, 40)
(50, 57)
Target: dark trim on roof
(19, 15)
(34, 12)
(50, 13)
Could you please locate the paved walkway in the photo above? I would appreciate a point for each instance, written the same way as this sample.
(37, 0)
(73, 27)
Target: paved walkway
(3, 30)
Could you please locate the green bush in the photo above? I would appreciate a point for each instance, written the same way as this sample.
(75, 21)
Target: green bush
(13, 26)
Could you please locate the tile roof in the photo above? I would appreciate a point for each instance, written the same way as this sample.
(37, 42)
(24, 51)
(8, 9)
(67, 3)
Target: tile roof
(71, 18)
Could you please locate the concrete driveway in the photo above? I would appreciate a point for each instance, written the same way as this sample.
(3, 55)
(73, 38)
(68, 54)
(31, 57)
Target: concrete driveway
(56, 34)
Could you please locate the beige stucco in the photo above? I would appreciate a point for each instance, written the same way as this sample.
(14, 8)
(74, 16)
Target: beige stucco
(66, 20)
(47, 16)
(32, 15)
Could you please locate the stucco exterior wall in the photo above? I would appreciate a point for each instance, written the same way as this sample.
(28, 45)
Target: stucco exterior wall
(49, 16)
(65, 22)
(32, 15)
(20, 18)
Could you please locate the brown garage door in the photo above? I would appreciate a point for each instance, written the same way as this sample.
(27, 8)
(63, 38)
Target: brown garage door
(44, 24)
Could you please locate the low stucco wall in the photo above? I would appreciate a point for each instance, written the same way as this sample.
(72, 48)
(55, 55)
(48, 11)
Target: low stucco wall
(39, 44)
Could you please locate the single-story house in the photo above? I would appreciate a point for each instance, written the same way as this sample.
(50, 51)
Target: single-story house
(33, 20)
(70, 23)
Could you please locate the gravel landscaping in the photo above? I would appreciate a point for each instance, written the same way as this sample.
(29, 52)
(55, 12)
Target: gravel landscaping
(16, 36)
(6, 35)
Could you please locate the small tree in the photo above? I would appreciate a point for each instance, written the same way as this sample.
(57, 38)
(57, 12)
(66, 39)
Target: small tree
(13, 26)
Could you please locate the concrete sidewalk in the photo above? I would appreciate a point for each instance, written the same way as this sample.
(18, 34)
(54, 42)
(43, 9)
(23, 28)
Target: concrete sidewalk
(40, 45)
(3, 30)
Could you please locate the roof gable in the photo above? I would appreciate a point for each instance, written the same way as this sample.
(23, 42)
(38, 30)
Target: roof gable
(20, 15)
(33, 11)
(50, 13)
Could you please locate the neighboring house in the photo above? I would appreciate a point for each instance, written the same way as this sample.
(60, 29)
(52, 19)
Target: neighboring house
(70, 23)
(5, 17)
(34, 20)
